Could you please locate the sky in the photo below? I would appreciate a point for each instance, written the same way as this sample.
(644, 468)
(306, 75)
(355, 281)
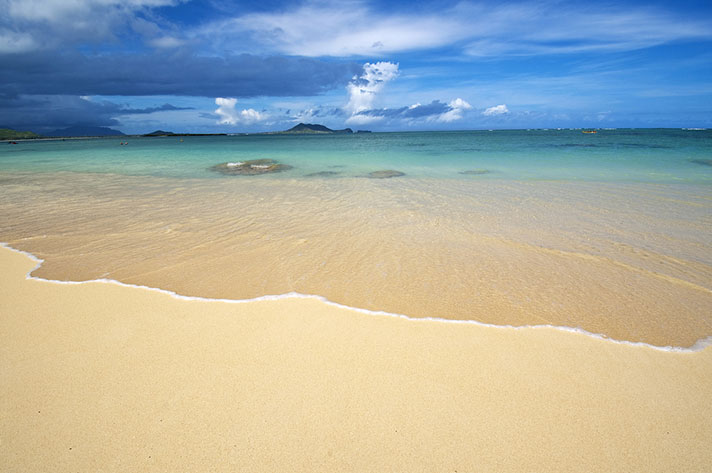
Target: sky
(221, 66)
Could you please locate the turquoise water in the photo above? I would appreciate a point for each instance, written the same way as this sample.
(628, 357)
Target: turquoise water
(634, 155)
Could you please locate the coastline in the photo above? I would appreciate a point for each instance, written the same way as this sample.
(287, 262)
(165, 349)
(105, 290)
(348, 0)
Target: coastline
(504, 252)
(699, 345)
(111, 377)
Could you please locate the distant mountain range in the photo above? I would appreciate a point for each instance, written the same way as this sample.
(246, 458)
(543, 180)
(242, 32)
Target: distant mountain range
(85, 131)
(313, 129)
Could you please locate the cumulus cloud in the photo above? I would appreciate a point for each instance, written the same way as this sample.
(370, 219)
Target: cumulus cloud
(496, 110)
(229, 115)
(456, 111)
(364, 89)
(251, 115)
(226, 111)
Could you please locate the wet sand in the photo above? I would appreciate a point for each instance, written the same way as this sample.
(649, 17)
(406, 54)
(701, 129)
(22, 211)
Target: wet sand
(102, 377)
(630, 261)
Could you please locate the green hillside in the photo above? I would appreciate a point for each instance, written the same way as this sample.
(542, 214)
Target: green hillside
(10, 134)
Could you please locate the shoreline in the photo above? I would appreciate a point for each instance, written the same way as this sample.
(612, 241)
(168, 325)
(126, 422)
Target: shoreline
(102, 376)
(699, 345)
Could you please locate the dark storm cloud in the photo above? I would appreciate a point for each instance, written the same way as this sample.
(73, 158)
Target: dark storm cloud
(46, 112)
(178, 73)
(166, 107)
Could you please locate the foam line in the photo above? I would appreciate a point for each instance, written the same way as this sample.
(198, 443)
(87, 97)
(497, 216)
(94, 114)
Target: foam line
(698, 346)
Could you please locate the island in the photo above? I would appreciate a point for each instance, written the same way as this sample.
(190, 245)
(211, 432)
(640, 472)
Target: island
(313, 129)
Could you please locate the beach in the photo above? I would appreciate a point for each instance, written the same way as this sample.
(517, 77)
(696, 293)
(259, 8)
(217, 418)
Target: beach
(99, 376)
(538, 306)
(368, 237)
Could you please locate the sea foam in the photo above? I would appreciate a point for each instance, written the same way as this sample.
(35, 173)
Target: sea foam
(700, 345)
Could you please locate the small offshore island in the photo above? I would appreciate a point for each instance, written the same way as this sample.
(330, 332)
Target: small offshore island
(312, 129)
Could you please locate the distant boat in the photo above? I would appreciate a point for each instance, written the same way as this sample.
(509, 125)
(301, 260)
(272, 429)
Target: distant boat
(589, 131)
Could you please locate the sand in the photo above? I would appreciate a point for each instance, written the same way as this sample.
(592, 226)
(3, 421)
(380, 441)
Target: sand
(631, 261)
(102, 377)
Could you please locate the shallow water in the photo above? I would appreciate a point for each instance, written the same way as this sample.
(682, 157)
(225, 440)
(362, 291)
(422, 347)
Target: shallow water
(655, 155)
(609, 233)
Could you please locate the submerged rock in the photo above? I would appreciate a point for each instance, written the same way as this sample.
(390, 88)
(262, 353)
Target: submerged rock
(323, 174)
(475, 172)
(703, 162)
(250, 168)
(385, 174)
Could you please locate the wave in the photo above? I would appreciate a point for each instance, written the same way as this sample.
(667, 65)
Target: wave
(696, 347)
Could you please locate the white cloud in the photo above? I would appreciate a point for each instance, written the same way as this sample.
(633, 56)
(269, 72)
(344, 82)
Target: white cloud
(537, 29)
(457, 109)
(226, 111)
(166, 42)
(496, 110)
(363, 90)
(364, 119)
(251, 115)
(344, 29)
(305, 115)
(59, 10)
(526, 28)
(357, 28)
(435, 111)
(58, 23)
(229, 115)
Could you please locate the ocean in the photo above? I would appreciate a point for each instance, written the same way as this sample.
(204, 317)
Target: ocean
(633, 155)
(606, 232)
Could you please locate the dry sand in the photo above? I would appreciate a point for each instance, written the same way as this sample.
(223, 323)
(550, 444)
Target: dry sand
(102, 377)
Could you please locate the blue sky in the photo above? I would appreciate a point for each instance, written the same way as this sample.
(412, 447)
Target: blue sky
(224, 66)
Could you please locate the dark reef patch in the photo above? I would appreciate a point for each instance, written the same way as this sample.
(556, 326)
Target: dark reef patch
(250, 168)
(323, 174)
(385, 174)
(475, 172)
